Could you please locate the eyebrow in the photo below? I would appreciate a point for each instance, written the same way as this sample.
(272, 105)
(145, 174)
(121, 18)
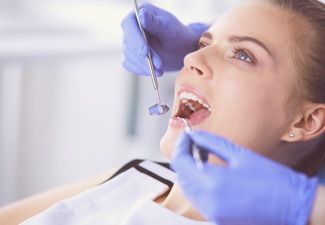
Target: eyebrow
(236, 39)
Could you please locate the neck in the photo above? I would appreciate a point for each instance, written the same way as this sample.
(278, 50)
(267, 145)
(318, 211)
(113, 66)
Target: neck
(303, 156)
(312, 162)
(176, 202)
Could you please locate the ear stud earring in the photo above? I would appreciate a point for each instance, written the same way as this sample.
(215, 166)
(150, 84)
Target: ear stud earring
(292, 135)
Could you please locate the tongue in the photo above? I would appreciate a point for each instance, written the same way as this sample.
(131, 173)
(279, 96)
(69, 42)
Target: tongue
(199, 115)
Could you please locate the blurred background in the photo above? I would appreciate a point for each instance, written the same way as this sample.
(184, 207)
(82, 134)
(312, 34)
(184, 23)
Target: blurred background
(68, 110)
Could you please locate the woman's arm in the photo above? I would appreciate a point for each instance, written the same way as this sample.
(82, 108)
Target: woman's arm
(21, 210)
(317, 216)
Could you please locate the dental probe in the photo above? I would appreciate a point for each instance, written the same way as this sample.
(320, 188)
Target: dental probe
(159, 108)
(195, 148)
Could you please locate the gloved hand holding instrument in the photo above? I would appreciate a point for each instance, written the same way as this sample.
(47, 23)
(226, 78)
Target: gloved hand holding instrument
(169, 40)
(249, 189)
(159, 108)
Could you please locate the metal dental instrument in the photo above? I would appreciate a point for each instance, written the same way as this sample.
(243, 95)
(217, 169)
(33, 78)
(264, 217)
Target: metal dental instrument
(159, 108)
(195, 148)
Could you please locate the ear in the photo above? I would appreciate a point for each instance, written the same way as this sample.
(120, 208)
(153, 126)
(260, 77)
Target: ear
(307, 126)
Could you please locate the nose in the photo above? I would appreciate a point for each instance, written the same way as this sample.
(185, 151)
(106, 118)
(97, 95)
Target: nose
(196, 63)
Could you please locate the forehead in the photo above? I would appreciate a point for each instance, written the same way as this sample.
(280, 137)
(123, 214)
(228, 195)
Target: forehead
(258, 19)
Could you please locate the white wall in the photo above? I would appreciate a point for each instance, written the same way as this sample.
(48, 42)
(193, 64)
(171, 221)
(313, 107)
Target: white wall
(67, 107)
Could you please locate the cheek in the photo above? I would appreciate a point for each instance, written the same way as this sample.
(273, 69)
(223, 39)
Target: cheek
(243, 113)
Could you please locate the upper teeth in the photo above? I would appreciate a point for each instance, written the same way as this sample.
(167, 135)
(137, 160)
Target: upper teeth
(185, 97)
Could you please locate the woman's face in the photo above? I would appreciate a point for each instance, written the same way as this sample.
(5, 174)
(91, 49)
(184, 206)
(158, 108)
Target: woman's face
(242, 75)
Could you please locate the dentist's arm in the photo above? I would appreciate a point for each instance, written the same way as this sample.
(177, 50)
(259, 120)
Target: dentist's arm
(168, 38)
(249, 189)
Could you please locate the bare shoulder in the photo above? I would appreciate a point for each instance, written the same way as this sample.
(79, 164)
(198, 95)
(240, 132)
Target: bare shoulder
(18, 211)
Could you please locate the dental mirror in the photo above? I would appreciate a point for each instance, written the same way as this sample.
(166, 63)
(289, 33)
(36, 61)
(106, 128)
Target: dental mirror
(159, 108)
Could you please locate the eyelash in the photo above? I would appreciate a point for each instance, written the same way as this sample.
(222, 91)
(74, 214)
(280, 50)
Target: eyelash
(237, 51)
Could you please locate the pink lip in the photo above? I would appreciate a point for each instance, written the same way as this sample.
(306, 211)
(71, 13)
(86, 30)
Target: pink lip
(177, 122)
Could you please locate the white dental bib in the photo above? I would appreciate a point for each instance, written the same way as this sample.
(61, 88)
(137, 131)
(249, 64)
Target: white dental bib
(126, 199)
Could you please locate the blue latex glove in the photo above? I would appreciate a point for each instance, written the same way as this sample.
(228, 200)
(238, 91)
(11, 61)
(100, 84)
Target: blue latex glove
(168, 38)
(250, 189)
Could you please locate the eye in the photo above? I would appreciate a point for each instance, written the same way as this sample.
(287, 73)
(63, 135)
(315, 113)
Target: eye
(242, 55)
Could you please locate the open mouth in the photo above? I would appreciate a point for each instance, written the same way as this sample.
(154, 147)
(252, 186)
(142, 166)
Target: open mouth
(192, 107)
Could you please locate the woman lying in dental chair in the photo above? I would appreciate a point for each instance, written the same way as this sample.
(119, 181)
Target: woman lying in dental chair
(258, 83)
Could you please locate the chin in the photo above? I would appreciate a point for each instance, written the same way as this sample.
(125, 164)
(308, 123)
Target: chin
(167, 143)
